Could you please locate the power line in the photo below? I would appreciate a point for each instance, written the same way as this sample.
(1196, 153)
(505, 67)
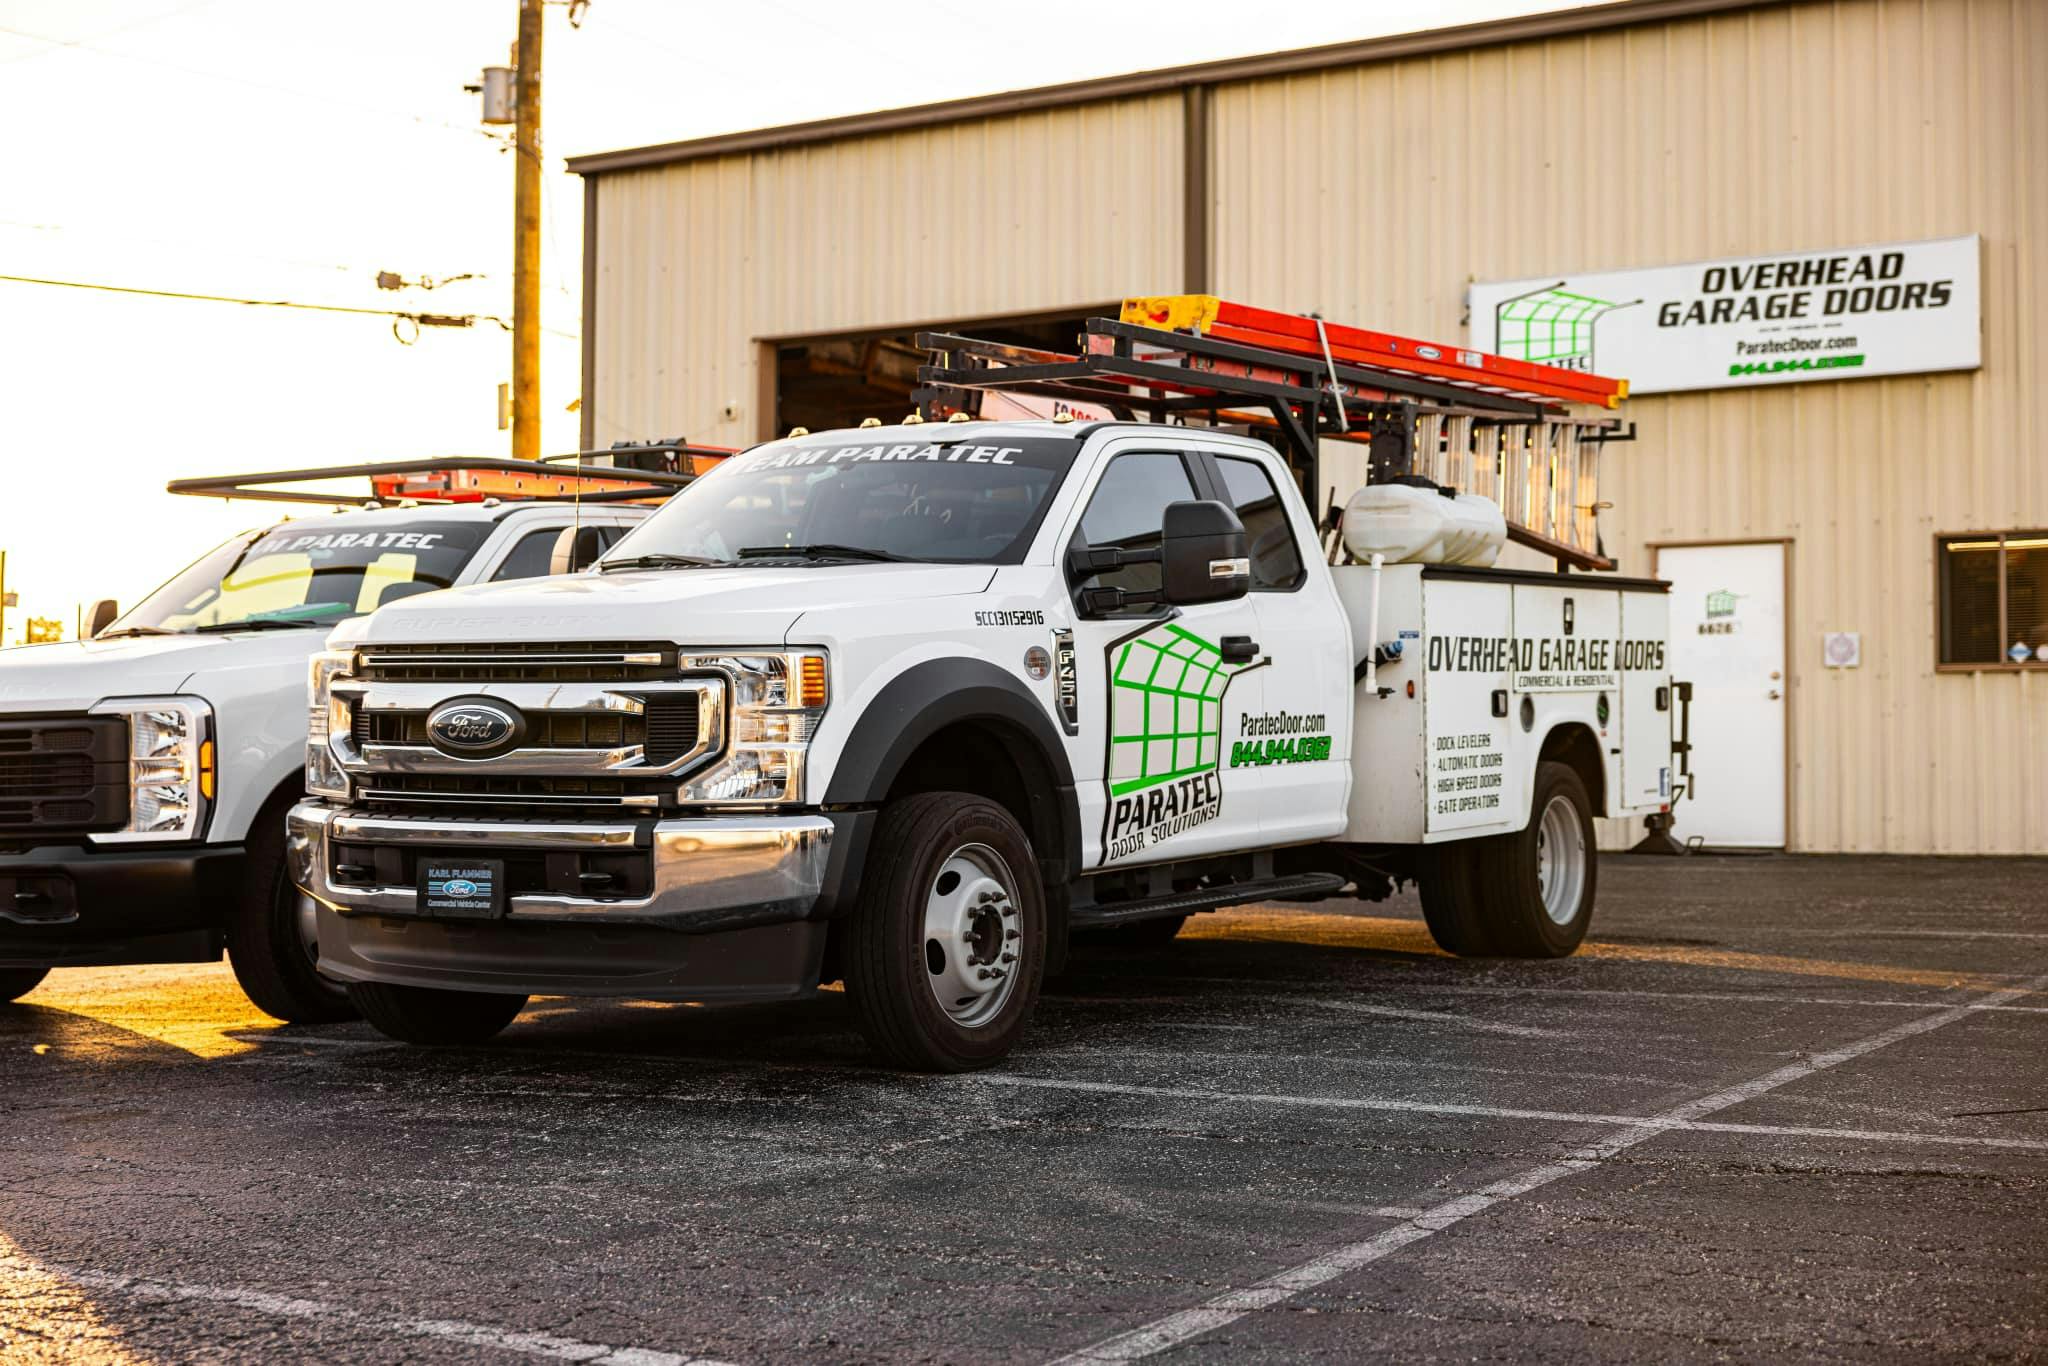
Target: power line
(427, 319)
(103, 33)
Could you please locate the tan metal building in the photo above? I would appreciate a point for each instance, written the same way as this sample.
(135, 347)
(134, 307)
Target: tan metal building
(732, 280)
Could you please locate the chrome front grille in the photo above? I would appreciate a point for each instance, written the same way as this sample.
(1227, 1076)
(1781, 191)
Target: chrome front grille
(665, 730)
(609, 724)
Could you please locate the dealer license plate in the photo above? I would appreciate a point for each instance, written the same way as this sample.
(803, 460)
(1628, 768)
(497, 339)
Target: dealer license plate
(462, 889)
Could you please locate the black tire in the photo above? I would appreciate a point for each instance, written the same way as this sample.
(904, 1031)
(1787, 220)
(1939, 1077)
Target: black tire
(1518, 924)
(1137, 936)
(889, 976)
(1152, 934)
(276, 968)
(16, 983)
(429, 1015)
(1448, 883)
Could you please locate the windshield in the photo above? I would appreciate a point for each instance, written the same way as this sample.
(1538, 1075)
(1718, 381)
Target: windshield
(955, 501)
(297, 574)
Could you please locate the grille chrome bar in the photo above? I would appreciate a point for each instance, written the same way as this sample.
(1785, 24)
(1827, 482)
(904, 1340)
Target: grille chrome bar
(517, 662)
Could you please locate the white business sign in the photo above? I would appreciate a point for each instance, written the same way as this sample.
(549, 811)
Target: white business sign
(1897, 309)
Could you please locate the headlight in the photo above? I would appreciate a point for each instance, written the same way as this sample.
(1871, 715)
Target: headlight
(170, 767)
(777, 700)
(325, 716)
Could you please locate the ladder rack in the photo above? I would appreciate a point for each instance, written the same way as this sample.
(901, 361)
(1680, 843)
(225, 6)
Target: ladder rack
(1527, 436)
(645, 471)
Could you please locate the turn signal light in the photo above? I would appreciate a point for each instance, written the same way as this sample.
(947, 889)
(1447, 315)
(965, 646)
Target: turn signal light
(206, 770)
(811, 687)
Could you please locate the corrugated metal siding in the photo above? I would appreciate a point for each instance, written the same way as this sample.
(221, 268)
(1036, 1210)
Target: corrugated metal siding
(1376, 192)
(697, 262)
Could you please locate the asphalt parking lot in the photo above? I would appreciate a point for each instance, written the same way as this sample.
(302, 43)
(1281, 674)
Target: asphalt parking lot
(1777, 1108)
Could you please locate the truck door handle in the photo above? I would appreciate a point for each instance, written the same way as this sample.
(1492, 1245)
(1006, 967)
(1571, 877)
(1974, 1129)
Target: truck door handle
(1239, 649)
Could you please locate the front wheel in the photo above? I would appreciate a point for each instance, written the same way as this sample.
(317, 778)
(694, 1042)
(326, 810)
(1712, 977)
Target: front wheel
(430, 1015)
(271, 945)
(16, 983)
(946, 943)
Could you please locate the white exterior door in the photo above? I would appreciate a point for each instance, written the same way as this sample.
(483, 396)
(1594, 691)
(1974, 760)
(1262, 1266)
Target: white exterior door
(1728, 641)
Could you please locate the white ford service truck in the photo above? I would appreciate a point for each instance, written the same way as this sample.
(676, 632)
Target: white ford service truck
(903, 707)
(145, 772)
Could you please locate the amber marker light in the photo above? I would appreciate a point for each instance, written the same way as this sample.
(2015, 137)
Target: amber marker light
(206, 769)
(811, 687)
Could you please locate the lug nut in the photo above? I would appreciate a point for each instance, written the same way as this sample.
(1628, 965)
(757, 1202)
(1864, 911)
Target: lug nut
(1009, 958)
(1013, 934)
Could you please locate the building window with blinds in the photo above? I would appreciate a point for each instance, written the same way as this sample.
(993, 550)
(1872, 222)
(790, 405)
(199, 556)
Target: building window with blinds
(1991, 593)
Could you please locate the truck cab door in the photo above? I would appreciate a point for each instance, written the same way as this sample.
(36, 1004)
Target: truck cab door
(1295, 754)
(1158, 690)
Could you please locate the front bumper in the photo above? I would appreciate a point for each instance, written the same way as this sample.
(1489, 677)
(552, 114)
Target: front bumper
(71, 905)
(717, 908)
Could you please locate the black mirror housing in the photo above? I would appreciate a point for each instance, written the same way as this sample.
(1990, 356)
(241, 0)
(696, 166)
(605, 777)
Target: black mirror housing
(577, 548)
(100, 616)
(1204, 555)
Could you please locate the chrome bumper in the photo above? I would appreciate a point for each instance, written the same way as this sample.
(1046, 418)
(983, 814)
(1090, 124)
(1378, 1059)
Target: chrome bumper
(709, 873)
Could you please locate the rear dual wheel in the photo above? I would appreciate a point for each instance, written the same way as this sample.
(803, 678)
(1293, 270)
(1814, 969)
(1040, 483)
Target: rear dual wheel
(1528, 894)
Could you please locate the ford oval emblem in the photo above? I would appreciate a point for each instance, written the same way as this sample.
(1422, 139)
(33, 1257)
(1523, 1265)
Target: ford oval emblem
(458, 887)
(469, 727)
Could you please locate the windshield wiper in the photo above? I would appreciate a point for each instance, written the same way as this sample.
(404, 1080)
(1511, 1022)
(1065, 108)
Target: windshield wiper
(261, 624)
(657, 561)
(134, 631)
(821, 550)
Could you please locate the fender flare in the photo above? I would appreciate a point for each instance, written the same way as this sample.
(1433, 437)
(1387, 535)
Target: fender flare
(926, 698)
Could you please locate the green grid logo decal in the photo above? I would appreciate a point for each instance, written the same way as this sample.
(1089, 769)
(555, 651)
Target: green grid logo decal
(1166, 687)
(1166, 709)
(1550, 327)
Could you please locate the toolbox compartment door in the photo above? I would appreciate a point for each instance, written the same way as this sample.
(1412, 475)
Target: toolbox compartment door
(1645, 730)
(1467, 627)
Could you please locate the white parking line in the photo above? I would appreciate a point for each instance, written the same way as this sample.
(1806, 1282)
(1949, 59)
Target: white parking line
(1444, 1017)
(446, 1330)
(1425, 1107)
(1222, 1310)
(1471, 989)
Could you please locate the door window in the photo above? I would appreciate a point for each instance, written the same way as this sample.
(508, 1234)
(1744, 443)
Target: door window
(1128, 512)
(1275, 554)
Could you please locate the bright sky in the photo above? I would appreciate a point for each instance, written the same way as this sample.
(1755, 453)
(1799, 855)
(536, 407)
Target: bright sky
(293, 150)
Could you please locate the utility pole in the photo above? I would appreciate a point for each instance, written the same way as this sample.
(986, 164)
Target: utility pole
(526, 238)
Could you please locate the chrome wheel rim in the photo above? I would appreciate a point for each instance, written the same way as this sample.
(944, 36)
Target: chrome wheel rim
(1560, 860)
(973, 936)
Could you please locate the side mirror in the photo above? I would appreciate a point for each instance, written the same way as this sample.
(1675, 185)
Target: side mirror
(1204, 556)
(100, 616)
(576, 548)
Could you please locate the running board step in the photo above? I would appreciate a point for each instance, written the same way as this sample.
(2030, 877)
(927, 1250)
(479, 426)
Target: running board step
(1301, 886)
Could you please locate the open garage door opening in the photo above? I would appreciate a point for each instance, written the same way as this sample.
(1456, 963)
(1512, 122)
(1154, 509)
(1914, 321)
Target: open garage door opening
(837, 381)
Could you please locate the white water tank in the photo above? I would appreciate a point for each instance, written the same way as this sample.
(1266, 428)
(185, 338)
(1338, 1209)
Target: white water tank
(1413, 524)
